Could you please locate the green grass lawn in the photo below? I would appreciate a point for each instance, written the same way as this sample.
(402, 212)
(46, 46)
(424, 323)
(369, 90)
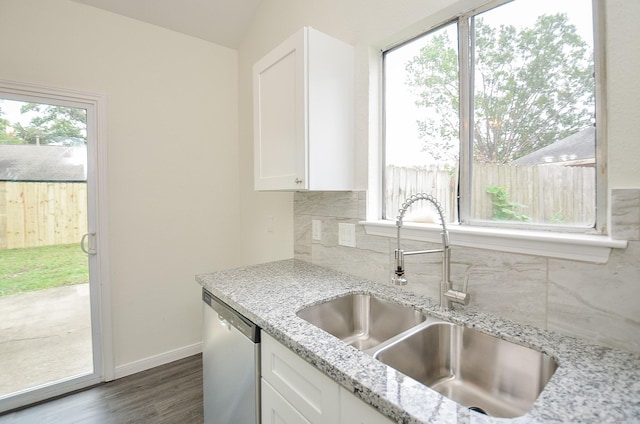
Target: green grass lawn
(38, 268)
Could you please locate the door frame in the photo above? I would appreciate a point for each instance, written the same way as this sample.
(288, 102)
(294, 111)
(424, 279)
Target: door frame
(97, 199)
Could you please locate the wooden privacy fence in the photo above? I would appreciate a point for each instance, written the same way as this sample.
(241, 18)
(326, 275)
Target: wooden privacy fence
(550, 194)
(42, 213)
(400, 183)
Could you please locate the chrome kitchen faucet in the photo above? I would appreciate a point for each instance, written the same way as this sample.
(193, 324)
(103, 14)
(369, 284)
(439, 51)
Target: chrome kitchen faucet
(447, 293)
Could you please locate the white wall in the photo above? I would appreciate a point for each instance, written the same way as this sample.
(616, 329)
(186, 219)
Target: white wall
(173, 160)
(371, 25)
(623, 92)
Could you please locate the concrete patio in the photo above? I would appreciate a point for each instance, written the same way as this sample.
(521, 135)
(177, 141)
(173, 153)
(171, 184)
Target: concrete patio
(44, 336)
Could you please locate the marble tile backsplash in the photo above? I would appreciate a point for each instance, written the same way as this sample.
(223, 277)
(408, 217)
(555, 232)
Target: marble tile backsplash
(625, 215)
(597, 302)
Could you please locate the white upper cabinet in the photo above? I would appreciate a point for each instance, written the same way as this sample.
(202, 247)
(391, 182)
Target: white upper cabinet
(303, 115)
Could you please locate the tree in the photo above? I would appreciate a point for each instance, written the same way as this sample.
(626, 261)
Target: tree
(7, 136)
(533, 86)
(52, 121)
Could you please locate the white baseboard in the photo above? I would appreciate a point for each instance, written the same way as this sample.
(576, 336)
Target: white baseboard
(157, 360)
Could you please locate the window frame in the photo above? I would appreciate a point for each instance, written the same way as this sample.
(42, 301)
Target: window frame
(593, 246)
(465, 162)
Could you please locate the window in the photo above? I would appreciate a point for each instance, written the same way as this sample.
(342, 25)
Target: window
(494, 114)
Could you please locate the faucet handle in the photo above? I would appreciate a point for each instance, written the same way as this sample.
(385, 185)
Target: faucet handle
(458, 296)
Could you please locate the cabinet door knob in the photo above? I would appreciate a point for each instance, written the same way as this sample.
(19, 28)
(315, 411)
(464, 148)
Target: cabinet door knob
(298, 181)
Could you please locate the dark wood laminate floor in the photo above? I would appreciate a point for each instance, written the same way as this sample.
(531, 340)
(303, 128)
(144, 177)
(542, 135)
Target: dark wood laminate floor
(169, 394)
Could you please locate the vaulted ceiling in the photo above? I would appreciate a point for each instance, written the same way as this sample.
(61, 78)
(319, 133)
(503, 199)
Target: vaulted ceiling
(219, 21)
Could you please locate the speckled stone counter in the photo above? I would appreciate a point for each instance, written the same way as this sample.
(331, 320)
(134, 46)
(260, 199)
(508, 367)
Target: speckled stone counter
(592, 384)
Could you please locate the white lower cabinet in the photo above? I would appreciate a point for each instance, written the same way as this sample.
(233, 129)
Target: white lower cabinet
(355, 411)
(312, 394)
(276, 409)
(294, 392)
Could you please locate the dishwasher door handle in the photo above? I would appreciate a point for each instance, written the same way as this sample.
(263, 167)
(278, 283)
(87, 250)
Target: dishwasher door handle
(224, 322)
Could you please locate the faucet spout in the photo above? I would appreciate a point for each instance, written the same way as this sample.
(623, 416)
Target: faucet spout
(447, 293)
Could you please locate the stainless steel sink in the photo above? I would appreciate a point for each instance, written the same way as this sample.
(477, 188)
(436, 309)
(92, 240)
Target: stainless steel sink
(362, 320)
(482, 372)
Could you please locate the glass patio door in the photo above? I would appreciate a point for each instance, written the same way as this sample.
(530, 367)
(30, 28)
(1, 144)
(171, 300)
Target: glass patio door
(50, 341)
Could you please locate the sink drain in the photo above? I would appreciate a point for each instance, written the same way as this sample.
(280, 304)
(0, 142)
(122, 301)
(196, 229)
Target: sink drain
(478, 409)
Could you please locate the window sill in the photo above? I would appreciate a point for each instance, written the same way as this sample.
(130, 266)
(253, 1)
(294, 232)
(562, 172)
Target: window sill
(579, 247)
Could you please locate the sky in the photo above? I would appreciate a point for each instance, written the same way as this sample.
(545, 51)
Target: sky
(11, 112)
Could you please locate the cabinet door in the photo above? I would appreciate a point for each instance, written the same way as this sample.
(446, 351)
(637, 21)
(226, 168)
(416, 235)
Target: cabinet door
(310, 392)
(355, 411)
(276, 410)
(279, 95)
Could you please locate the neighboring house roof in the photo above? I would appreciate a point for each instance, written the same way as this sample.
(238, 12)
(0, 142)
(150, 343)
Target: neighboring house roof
(577, 149)
(42, 163)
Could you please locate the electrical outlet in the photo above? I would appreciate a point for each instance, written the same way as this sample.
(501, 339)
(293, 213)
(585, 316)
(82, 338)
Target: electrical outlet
(316, 229)
(347, 234)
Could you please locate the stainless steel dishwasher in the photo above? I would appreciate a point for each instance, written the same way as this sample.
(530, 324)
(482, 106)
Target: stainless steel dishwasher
(231, 365)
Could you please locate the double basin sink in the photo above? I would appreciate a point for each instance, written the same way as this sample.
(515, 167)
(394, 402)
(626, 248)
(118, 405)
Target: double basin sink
(479, 371)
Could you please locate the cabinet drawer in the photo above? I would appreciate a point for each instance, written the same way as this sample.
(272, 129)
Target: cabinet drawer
(275, 408)
(312, 393)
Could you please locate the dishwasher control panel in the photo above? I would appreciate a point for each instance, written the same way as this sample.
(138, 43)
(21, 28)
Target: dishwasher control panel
(232, 317)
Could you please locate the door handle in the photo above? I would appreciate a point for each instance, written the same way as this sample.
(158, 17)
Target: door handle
(87, 243)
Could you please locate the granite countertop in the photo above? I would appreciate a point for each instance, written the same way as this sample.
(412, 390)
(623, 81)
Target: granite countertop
(593, 384)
